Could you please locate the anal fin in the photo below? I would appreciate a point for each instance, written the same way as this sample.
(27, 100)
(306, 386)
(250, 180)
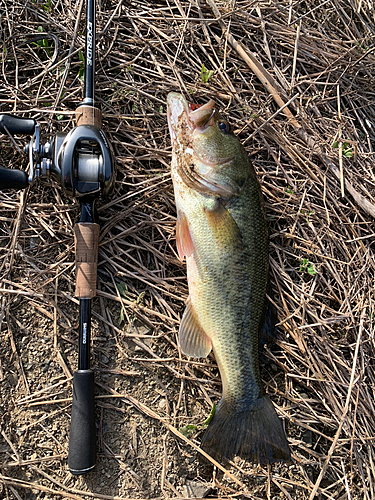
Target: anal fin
(192, 339)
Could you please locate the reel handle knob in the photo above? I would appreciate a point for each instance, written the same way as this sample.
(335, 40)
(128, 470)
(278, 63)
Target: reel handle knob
(13, 179)
(16, 125)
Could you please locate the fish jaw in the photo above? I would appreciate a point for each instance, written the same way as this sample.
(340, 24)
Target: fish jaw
(181, 114)
(176, 110)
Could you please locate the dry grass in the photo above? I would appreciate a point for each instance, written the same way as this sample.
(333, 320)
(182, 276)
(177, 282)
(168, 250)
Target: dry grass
(315, 162)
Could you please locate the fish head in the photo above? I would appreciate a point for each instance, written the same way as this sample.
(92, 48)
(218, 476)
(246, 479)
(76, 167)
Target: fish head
(207, 156)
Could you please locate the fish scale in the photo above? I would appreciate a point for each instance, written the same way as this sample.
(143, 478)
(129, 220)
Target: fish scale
(222, 232)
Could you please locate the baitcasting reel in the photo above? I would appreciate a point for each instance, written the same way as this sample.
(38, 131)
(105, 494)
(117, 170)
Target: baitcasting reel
(81, 160)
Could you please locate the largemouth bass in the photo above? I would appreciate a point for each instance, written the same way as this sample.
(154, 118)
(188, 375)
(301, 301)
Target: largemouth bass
(222, 232)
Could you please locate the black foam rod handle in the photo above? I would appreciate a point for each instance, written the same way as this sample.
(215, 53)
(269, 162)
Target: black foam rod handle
(13, 179)
(82, 439)
(16, 125)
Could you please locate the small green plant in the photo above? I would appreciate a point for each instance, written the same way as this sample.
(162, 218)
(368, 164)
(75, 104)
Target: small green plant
(347, 149)
(189, 429)
(235, 73)
(81, 71)
(47, 5)
(307, 215)
(140, 297)
(44, 43)
(122, 288)
(306, 267)
(210, 416)
(361, 47)
(206, 74)
(289, 190)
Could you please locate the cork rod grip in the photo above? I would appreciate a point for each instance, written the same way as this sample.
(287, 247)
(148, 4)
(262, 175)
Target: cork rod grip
(87, 244)
(88, 115)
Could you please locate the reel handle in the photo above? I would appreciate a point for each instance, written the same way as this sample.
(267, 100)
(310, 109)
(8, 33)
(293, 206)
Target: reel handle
(13, 179)
(16, 125)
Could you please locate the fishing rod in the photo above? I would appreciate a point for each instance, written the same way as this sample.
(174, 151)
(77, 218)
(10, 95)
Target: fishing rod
(82, 162)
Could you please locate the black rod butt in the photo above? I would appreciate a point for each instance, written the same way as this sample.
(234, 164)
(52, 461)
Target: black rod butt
(82, 439)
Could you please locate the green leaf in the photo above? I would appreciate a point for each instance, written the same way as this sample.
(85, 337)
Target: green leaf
(122, 315)
(206, 74)
(122, 288)
(347, 149)
(188, 430)
(210, 416)
(311, 270)
(305, 266)
(81, 74)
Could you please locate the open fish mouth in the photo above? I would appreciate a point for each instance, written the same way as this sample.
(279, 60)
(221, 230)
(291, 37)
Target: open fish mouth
(182, 114)
(185, 118)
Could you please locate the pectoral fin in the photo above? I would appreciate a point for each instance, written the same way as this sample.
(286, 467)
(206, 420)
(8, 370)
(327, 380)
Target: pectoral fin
(224, 228)
(183, 237)
(192, 339)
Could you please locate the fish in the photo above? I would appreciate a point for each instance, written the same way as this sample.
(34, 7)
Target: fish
(222, 233)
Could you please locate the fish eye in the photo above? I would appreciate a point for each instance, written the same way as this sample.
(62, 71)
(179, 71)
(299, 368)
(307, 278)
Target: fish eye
(224, 127)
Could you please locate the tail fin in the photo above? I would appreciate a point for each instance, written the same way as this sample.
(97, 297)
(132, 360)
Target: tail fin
(255, 434)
